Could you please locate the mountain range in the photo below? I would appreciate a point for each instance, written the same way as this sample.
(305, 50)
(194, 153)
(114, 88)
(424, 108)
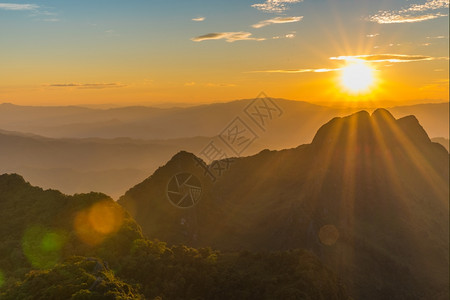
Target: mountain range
(152, 123)
(369, 195)
(78, 149)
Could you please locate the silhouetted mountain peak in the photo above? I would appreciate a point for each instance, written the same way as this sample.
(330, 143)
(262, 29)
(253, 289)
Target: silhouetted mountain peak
(382, 114)
(182, 155)
(380, 129)
(365, 185)
(13, 180)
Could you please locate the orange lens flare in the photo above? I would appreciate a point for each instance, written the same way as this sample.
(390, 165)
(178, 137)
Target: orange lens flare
(94, 224)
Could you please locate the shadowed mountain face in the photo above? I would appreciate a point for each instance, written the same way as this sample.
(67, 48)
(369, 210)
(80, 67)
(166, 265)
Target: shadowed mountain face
(369, 196)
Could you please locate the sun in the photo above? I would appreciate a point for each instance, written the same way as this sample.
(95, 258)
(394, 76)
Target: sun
(357, 77)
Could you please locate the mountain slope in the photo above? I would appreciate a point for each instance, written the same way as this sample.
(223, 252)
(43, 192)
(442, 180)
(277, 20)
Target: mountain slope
(85, 246)
(369, 195)
(83, 165)
(443, 141)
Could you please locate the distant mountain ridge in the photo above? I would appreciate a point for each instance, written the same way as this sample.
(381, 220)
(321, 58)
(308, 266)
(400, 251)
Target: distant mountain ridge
(203, 120)
(369, 196)
(108, 150)
(83, 165)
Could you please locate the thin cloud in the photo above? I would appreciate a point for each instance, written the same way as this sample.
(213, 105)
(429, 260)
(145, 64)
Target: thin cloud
(436, 37)
(228, 36)
(412, 14)
(372, 35)
(276, 6)
(87, 85)
(429, 5)
(392, 18)
(199, 19)
(286, 36)
(15, 6)
(278, 20)
(392, 58)
(33, 10)
(374, 58)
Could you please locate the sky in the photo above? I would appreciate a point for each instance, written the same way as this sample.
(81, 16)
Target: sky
(164, 52)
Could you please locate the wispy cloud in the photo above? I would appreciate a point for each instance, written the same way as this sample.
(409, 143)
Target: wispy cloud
(429, 5)
(15, 6)
(436, 37)
(372, 35)
(277, 20)
(274, 5)
(35, 11)
(87, 85)
(199, 19)
(392, 18)
(392, 58)
(228, 36)
(372, 58)
(412, 14)
(290, 35)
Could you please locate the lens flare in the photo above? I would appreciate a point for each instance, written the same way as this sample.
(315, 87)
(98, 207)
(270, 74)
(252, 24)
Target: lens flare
(94, 224)
(328, 235)
(42, 247)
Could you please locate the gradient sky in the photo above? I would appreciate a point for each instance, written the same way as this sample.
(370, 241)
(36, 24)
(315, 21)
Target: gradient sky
(152, 52)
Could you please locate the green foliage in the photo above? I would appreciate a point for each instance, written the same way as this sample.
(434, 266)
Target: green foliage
(180, 272)
(78, 278)
(43, 257)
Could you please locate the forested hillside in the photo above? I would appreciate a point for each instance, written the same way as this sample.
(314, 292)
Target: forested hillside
(87, 247)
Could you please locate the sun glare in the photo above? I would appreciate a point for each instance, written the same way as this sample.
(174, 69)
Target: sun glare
(357, 77)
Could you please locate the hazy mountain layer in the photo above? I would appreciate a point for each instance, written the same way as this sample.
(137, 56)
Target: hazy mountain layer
(297, 124)
(113, 165)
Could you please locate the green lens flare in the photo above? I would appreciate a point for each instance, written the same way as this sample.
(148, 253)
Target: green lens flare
(42, 246)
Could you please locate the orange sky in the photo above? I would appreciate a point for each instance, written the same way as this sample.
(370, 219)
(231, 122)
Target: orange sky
(149, 53)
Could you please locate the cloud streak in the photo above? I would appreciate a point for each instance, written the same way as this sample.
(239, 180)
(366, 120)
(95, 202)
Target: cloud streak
(15, 6)
(392, 58)
(412, 14)
(277, 20)
(276, 6)
(290, 35)
(228, 36)
(199, 19)
(373, 58)
(87, 85)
